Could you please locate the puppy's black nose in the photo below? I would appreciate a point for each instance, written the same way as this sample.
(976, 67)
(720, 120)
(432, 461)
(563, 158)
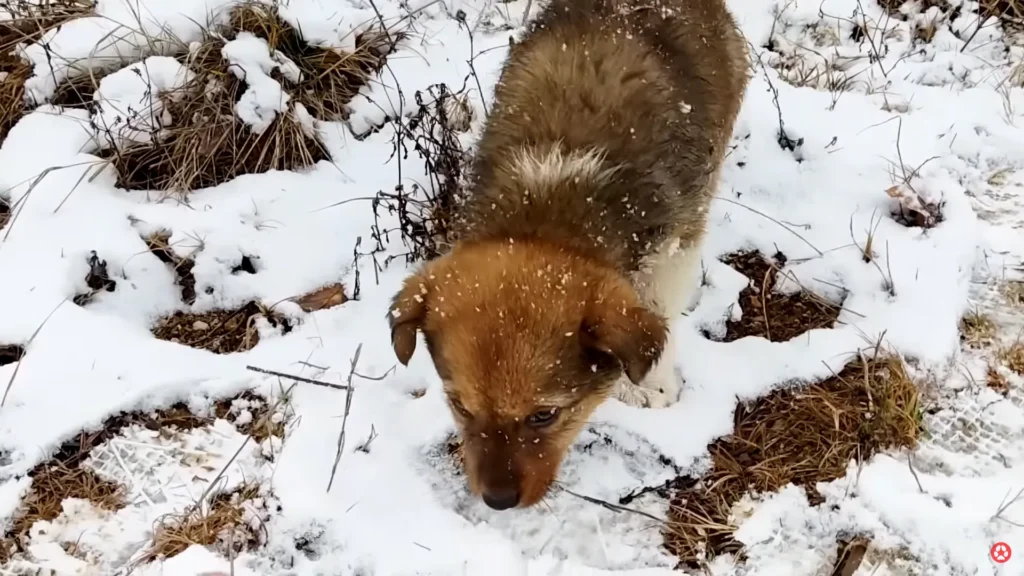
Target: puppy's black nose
(502, 499)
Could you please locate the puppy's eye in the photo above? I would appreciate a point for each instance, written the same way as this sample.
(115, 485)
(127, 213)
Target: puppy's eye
(542, 418)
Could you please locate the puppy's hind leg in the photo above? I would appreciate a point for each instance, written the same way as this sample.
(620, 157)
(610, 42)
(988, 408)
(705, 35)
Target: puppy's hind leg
(667, 285)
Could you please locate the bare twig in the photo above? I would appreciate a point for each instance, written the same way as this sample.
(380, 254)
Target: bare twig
(299, 378)
(762, 214)
(344, 418)
(14, 374)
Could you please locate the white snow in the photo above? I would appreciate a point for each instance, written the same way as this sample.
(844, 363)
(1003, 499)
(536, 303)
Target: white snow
(251, 61)
(940, 120)
(131, 100)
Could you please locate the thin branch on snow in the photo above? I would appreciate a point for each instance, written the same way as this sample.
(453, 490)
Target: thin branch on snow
(300, 378)
(344, 418)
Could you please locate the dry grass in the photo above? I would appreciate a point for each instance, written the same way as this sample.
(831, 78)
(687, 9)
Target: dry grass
(265, 422)
(331, 78)
(771, 315)
(1009, 12)
(210, 145)
(995, 380)
(61, 477)
(30, 20)
(1013, 293)
(220, 331)
(221, 522)
(801, 436)
(977, 330)
(1013, 357)
(52, 483)
(14, 73)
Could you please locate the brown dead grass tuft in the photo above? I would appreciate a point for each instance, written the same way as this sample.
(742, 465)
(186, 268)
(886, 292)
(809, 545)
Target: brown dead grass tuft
(27, 23)
(330, 77)
(159, 245)
(11, 353)
(209, 144)
(222, 522)
(220, 331)
(61, 476)
(1013, 357)
(1013, 292)
(801, 436)
(769, 314)
(995, 380)
(52, 483)
(264, 421)
(977, 330)
(15, 72)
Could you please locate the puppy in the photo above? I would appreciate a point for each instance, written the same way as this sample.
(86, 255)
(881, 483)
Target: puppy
(578, 243)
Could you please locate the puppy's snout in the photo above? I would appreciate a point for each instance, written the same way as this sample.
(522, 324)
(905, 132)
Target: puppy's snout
(501, 498)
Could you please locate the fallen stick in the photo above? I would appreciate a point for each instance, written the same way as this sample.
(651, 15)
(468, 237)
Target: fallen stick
(298, 378)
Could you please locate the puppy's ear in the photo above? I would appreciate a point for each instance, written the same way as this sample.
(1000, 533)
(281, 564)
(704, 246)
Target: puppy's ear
(627, 331)
(407, 314)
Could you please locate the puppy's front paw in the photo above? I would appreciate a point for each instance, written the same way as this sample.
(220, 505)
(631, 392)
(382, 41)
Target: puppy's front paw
(659, 390)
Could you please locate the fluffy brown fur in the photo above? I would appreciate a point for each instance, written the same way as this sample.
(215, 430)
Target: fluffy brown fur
(591, 187)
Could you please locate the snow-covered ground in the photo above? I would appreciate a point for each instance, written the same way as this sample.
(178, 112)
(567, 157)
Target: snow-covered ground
(876, 109)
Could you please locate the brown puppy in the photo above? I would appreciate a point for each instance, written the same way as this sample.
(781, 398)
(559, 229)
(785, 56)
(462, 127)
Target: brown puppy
(580, 238)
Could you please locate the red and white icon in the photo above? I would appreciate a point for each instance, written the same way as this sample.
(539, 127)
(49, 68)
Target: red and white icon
(1001, 553)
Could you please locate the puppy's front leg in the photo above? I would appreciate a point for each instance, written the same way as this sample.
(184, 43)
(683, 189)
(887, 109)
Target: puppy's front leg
(661, 386)
(667, 284)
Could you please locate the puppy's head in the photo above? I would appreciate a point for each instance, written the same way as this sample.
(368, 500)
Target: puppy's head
(528, 341)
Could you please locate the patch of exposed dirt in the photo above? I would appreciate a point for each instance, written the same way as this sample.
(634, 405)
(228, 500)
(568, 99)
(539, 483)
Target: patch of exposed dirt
(769, 314)
(246, 264)
(851, 555)
(11, 353)
(97, 279)
(262, 419)
(159, 245)
(5, 207)
(220, 331)
(801, 436)
(79, 91)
